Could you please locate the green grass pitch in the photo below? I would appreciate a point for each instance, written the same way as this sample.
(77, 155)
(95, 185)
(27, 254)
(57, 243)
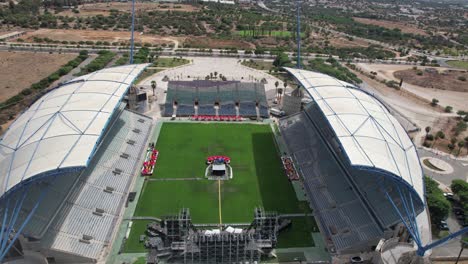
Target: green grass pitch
(259, 179)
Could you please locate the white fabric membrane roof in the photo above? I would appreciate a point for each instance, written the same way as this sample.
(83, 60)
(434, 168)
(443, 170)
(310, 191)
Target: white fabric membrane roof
(369, 134)
(62, 128)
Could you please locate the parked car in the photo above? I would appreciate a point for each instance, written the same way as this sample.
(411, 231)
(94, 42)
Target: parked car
(458, 211)
(449, 196)
(465, 222)
(443, 225)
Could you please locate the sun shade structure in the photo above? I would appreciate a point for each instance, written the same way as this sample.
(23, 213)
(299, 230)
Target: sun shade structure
(61, 129)
(56, 135)
(383, 162)
(368, 133)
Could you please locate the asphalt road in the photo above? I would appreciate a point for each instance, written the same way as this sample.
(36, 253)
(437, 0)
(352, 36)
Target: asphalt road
(460, 168)
(460, 171)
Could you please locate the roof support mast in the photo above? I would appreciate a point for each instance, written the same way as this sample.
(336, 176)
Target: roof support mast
(298, 36)
(132, 40)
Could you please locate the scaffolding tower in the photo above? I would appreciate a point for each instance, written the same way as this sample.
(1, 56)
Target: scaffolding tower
(224, 244)
(266, 226)
(178, 226)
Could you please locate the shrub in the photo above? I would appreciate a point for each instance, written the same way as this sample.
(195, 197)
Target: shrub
(26, 91)
(98, 63)
(430, 137)
(448, 109)
(392, 84)
(461, 127)
(64, 70)
(462, 78)
(440, 134)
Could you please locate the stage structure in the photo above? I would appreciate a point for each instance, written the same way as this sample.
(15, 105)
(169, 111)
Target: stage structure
(218, 168)
(177, 239)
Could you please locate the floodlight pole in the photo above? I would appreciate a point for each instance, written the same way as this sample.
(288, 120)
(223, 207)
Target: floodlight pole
(298, 65)
(133, 32)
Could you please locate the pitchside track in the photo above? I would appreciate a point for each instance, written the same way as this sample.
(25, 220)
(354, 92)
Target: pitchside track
(178, 180)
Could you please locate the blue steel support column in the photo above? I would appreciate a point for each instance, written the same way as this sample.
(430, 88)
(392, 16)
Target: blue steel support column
(5, 216)
(404, 221)
(133, 29)
(13, 218)
(439, 242)
(411, 219)
(298, 65)
(26, 221)
(414, 216)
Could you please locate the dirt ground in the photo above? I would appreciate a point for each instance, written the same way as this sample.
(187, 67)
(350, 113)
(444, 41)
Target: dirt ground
(447, 125)
(341, 42)
(446, 97)
(415, 108)
(449, 262)
(404, 27)
(93, 35)
(432, 78)
(93, 9)
(419, 111)
(203, 42)
(21, 69)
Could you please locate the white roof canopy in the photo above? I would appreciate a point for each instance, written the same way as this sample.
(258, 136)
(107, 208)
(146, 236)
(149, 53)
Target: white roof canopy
(62, 128)
(368, 133)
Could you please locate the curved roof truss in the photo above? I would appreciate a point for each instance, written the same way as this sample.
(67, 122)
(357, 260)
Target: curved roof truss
(370, 136)
(62, 129)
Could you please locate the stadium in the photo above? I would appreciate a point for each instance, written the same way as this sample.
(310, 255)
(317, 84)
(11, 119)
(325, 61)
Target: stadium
(86, 179)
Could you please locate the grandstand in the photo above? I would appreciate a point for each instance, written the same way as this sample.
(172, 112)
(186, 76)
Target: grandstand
(68, 162)
(66, 165)
(200, 98)
(359, 167)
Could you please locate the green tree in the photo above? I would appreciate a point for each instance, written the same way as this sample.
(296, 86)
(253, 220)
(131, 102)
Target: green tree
(439, 206)
(434, 102)
(280, 93)
(466, 144)
(460, 189)
(281, 60)
(276, 88)
(460, 144)
(459, 186)
(448, 109)
(438, 135)
(428, 129)
(153, 85)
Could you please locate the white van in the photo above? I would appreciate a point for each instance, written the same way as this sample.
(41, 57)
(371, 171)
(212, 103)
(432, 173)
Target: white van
(277, 112)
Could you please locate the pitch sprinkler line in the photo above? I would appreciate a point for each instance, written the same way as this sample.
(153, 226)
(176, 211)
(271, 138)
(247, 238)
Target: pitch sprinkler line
(219, 203)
